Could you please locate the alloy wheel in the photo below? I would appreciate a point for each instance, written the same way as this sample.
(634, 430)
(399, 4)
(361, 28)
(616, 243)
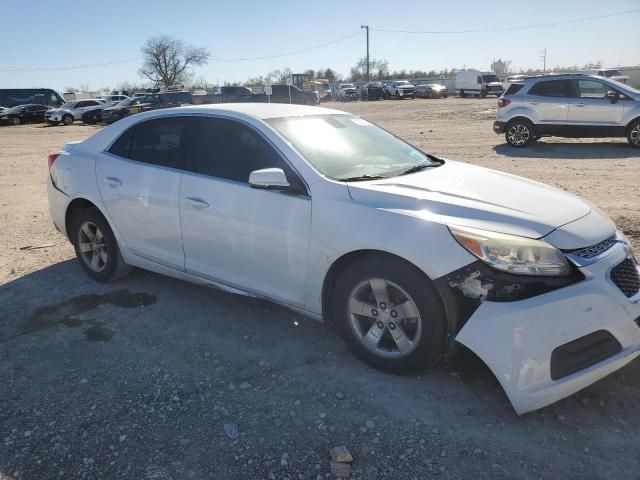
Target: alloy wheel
(634, 135)
(384, 318)
(518, 134)
(93, 250)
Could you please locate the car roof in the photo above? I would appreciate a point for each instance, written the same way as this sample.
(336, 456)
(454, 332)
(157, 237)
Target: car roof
(262, 111)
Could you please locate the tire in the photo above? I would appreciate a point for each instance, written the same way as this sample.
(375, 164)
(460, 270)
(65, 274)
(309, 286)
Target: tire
(405, 285)
(633, 133)
(519, 133)
(462, 94)
(483, 93)
(67, 119)
(15, 122)
(109, 265)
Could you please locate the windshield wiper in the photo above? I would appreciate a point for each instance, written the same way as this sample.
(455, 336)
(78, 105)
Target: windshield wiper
(418, 168)
(361, 178)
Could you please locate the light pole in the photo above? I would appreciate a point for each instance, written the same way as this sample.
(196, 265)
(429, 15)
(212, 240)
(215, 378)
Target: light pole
(367, 28)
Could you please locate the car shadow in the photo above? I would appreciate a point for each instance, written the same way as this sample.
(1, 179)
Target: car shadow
(570, 150)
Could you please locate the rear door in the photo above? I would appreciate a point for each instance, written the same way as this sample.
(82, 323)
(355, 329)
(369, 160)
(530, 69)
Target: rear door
(139, 181)
(591, 107)
(549, 101)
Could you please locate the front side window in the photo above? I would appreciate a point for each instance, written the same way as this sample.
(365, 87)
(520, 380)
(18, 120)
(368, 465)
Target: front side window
(156, 142)
(344, 147)
(550, 88)
(227, 149)
(490, 78)
(592, 89)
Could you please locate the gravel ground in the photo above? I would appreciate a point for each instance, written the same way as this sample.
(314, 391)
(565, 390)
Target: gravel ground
(137, 379)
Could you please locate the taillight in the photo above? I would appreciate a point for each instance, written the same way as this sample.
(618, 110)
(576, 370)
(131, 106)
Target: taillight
(503, 102)
(52, 158)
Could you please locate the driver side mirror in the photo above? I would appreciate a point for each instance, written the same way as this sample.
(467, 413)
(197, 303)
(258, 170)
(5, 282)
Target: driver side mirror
(269, 179)
(613, 96)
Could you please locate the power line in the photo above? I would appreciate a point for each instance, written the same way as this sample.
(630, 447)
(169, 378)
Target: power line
(511, 29)
(294, 52)
(242, 59)
(76, 67)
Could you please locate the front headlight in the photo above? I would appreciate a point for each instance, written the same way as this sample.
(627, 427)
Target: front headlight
(509, 253)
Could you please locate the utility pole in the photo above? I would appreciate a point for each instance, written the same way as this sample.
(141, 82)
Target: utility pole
(543, 56)
(367, 28)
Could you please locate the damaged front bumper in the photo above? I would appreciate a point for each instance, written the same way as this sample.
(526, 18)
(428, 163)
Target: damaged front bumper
(549, 345)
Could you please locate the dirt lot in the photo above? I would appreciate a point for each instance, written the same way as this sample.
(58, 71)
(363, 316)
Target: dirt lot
(137, 379)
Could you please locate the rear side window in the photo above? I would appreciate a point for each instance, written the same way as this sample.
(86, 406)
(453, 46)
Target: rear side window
(513, 89)
(156, 142)
(550, 88)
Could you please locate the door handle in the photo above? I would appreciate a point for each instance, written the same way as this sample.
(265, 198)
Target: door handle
(579, 104)
(197, 202)
(112, 182)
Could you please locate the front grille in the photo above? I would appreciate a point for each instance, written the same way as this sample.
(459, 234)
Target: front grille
(595, 250)
(626, 277)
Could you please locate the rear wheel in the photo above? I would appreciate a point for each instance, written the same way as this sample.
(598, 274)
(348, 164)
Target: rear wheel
(390, 315)
(462, 94)
(520, 133)
(634, 133)
(96, 247)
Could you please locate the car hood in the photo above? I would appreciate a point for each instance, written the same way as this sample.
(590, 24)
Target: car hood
(406, 86)
(467, 195)
(58, 110)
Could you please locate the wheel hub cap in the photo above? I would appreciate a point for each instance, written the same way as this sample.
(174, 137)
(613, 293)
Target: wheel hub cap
(519, 134)
(384, 318)
(93, 251)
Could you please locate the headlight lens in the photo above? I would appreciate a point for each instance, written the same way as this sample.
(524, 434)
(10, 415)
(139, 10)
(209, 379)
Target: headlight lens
(509, 253)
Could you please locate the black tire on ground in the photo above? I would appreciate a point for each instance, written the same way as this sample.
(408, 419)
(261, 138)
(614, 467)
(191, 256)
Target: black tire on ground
(67, 119)
(462, 94)
(15, 121)
(633, 133)
(431, 343)
(115, 267)
(520, 132)
(483, 93)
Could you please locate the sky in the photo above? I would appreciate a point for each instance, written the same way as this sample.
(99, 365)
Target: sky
(45, 34)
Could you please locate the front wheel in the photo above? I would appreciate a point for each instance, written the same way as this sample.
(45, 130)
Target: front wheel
(520, 133)
(96, 247)
(634, 134)
(15, 121)
(67, 119)
(390, 315)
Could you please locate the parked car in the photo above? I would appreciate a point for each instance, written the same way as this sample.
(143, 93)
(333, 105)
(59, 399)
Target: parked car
(401, 89)
(29, 113)
(372, 91)
(431, 90)
(536, 281)
(94, 116)
(236, 94)
(282, 93)
(611, 73)
(71, 111)
(125, 108)
(11, 97)
(568, 106)
(346, 92)
(113, 98)
(475, 82)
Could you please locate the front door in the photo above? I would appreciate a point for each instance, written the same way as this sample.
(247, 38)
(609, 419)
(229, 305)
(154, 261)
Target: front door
(139, 181)
(590, 105)
(251, 239)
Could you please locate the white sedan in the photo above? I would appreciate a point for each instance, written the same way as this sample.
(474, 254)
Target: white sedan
(319, 210)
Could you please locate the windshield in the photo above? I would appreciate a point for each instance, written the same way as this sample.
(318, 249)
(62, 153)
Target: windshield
(126, 102)
(612, 73)
(403, 82)
(344, 146)
(346, 85)
(69, 105)
(490, 78)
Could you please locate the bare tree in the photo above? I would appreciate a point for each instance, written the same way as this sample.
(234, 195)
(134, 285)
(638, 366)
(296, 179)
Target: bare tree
(167, 61)
(501, 67)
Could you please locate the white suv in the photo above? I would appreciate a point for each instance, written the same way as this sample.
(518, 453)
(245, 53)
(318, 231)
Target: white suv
(568, 106)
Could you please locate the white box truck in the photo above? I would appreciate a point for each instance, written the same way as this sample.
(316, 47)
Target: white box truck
(475, 82)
